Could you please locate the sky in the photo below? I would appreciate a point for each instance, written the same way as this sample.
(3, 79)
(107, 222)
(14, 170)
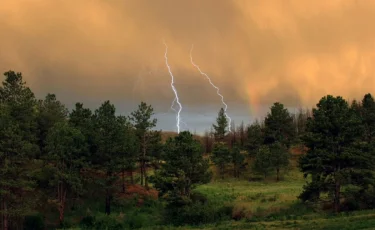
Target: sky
(256, 51)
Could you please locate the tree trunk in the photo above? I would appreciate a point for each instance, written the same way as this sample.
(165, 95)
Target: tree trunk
(123, 180)
(337, 196)
(107, 202)
(5, 216)
(62, 200)
(108, 194)
(146, 177)
(277, 174)
(144, 160)
(131, 176)
(141, 164)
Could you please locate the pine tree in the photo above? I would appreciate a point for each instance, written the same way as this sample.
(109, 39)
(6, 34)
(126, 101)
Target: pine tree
(64, 148)
(50, 112)
(255, 138)
(129, 148)
(17, 147)
(220, 128)
(108, 140)
(263, 161)
(334, 151)
(279, 125)
(368, 115)
(184, 166)
(237, 160)
(143, 123)
(221, 156)
(279, 157)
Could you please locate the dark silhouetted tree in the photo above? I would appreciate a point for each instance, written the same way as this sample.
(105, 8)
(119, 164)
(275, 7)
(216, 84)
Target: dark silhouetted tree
(221, 126)
(334, 152)
(143, 123)
(64, 148)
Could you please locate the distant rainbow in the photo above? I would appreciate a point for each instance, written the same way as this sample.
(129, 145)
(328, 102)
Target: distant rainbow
(253, 100)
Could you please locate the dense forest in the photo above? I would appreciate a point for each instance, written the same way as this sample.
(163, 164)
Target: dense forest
(89, 169)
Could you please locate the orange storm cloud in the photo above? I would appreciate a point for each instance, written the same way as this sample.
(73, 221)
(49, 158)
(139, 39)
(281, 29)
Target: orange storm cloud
(256, 51)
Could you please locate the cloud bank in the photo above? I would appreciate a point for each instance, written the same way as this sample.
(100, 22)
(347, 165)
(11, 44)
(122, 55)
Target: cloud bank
(256, 51)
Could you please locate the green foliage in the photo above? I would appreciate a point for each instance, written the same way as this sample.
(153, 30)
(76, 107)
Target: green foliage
(111, 142)
(263, 163)
(221, 156)
(47, 157)
(221, 126)
(255, 138)
(184, 166)
(279, 125)
(81, 118)
(100, 221)
(367, 111)
(197, 213)
(64, 147)
(17, 146)
(21, 103)
(279, 157)
(50, 112)
(238, 160)
(148, 140)
(335, 157)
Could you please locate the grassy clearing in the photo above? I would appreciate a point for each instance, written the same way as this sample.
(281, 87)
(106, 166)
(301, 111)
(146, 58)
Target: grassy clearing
(256, 199)
(264, 205)
(255, 204)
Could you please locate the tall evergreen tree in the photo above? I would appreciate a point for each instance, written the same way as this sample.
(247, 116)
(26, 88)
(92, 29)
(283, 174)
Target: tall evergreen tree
(184, 167)
(255, 138)
(17, 146)
(64, 147)
(221, 126)
(129, 148)
(221, 156)
(334, 152)
(50, 112)
(237, 160)
(263, 161)
(368, 115)
(279, 125)
(279, 157)
(82, 119)
(108, 139)
(143, 123)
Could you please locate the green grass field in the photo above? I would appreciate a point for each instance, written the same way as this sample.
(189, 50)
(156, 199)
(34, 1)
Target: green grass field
(255, 205)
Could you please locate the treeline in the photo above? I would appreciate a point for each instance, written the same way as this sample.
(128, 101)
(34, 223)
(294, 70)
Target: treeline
(263, 146)
(53, 157)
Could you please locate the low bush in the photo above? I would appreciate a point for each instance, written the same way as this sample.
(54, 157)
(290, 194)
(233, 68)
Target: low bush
(34, 222)
(195, 211)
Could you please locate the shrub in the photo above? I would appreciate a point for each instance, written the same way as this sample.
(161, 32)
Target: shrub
(102, 221)
(195, 212)
(33, 222)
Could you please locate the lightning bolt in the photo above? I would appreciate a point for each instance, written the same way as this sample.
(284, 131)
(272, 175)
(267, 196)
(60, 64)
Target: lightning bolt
(181, 121)
(217, 88)
(174, 89)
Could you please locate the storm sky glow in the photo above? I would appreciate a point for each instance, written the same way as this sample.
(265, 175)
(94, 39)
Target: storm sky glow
(256, 51)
